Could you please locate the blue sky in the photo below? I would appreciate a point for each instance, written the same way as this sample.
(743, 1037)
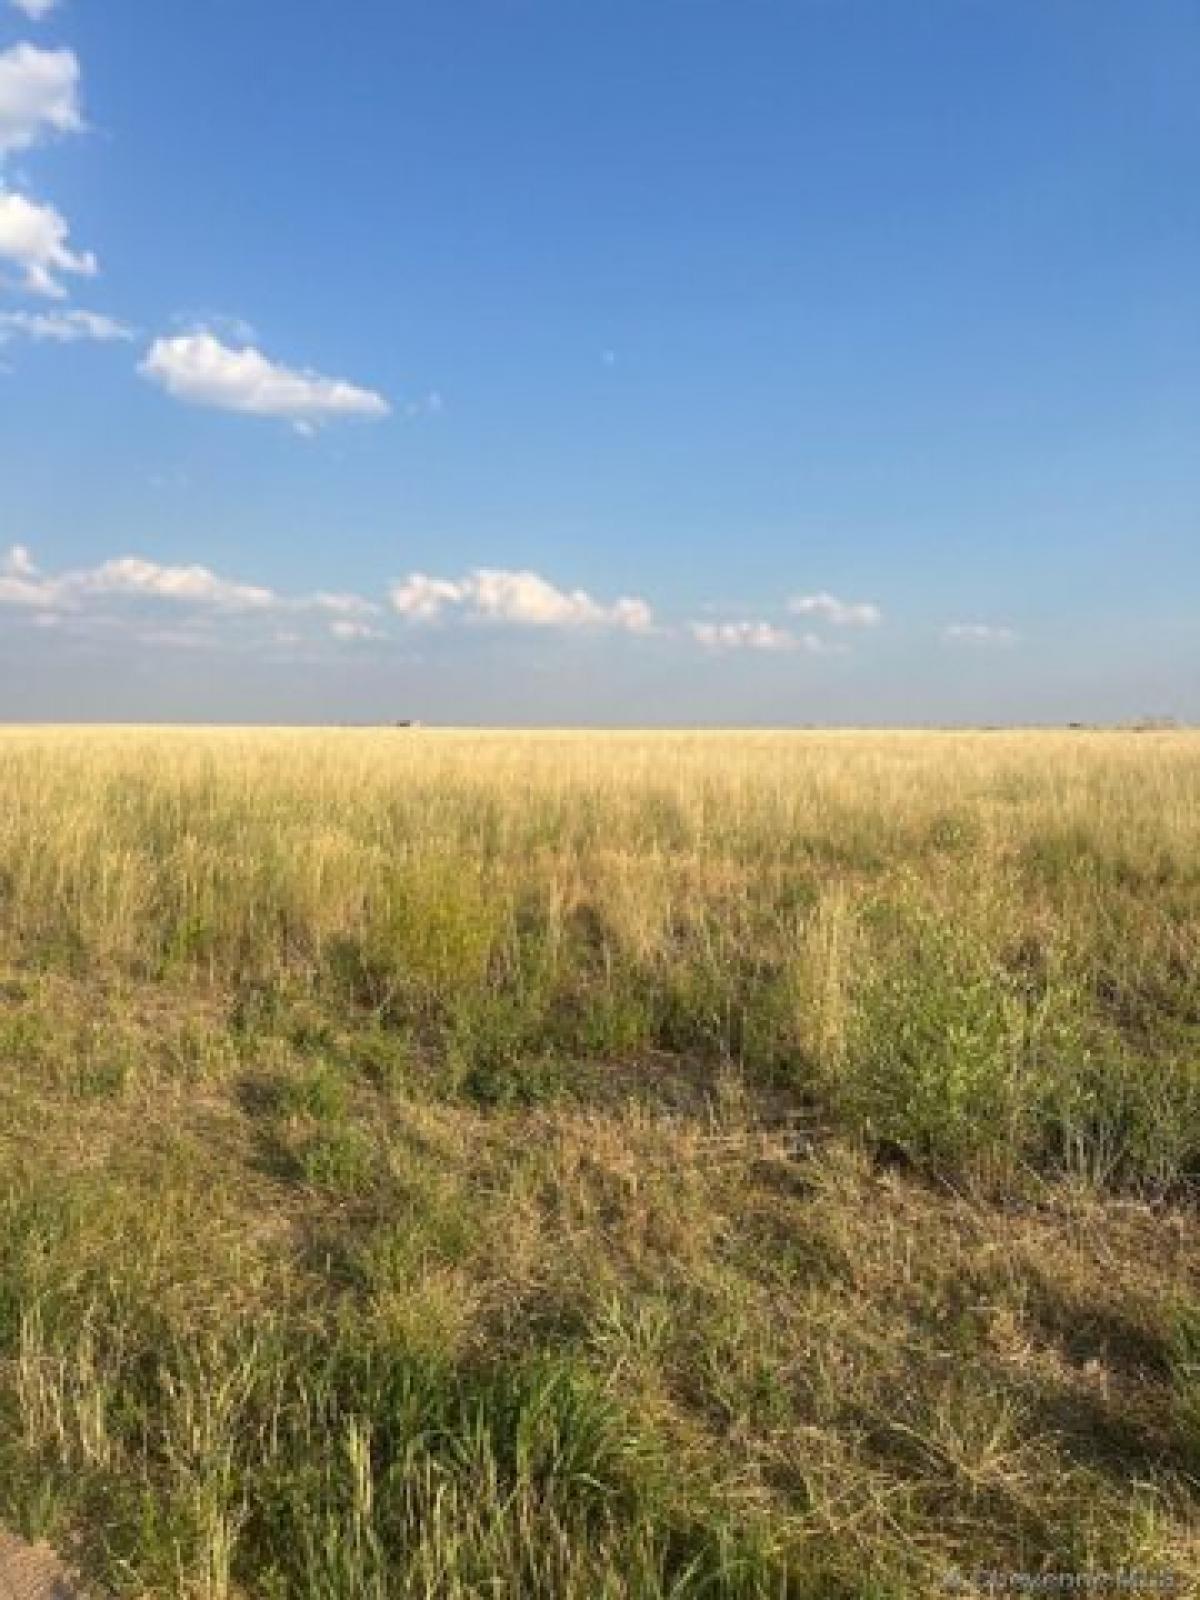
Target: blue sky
(599, 361)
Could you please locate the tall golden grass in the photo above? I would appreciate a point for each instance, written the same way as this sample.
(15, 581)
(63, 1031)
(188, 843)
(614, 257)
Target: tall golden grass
(598, 1164)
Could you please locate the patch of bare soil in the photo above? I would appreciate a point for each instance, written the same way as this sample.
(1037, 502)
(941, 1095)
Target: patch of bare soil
(33, 1572)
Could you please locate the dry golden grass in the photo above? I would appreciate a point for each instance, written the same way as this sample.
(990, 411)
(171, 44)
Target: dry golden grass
(452, 1164)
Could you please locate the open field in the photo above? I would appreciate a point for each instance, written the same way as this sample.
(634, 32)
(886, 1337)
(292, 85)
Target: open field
(588, 1166)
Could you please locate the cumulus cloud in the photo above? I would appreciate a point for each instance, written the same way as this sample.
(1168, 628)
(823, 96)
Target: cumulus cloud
(20, 581)
(133, 580)
(751, 635)
(156, 604)
(39, 96)
(196, 585)
(61, 327)
(197, 367)
(128, 577)
(423, 599)
(839, 613)
(525, 599)
(36, 10)
(34, 238)
(978, 633)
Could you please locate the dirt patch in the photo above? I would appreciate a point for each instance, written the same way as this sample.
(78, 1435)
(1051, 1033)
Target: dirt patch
(33, 1572)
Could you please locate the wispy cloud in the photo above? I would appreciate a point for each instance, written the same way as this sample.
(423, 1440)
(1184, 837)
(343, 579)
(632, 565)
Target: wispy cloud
(344, 628)
(755, 635)
(226, 325)
(61, 327)
(978, 633)
(522, 598)
(33, 237)
(39, 96)
(430, 404)
(337, 605)
(838, 613)
(36, 10)
(198, 368)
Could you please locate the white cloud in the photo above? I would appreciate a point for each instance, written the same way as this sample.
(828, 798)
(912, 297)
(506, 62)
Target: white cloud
(978, 633)
(34, 238)
(492, 594)
(20, 582)
(839, 613)
(39, 96)
(431, 404)
(344, 628)
(134, 581)
(422, 599)
(754, 636)
(224, 324)
(196, 585)
(128, 577)
(340, 605)
(197, 367)
(61, 327)
(156, 605)
(36, 10)
(17, 562)
(529, 599)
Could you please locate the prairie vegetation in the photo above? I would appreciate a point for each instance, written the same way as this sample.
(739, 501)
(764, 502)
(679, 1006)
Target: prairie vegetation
(599, 1166)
